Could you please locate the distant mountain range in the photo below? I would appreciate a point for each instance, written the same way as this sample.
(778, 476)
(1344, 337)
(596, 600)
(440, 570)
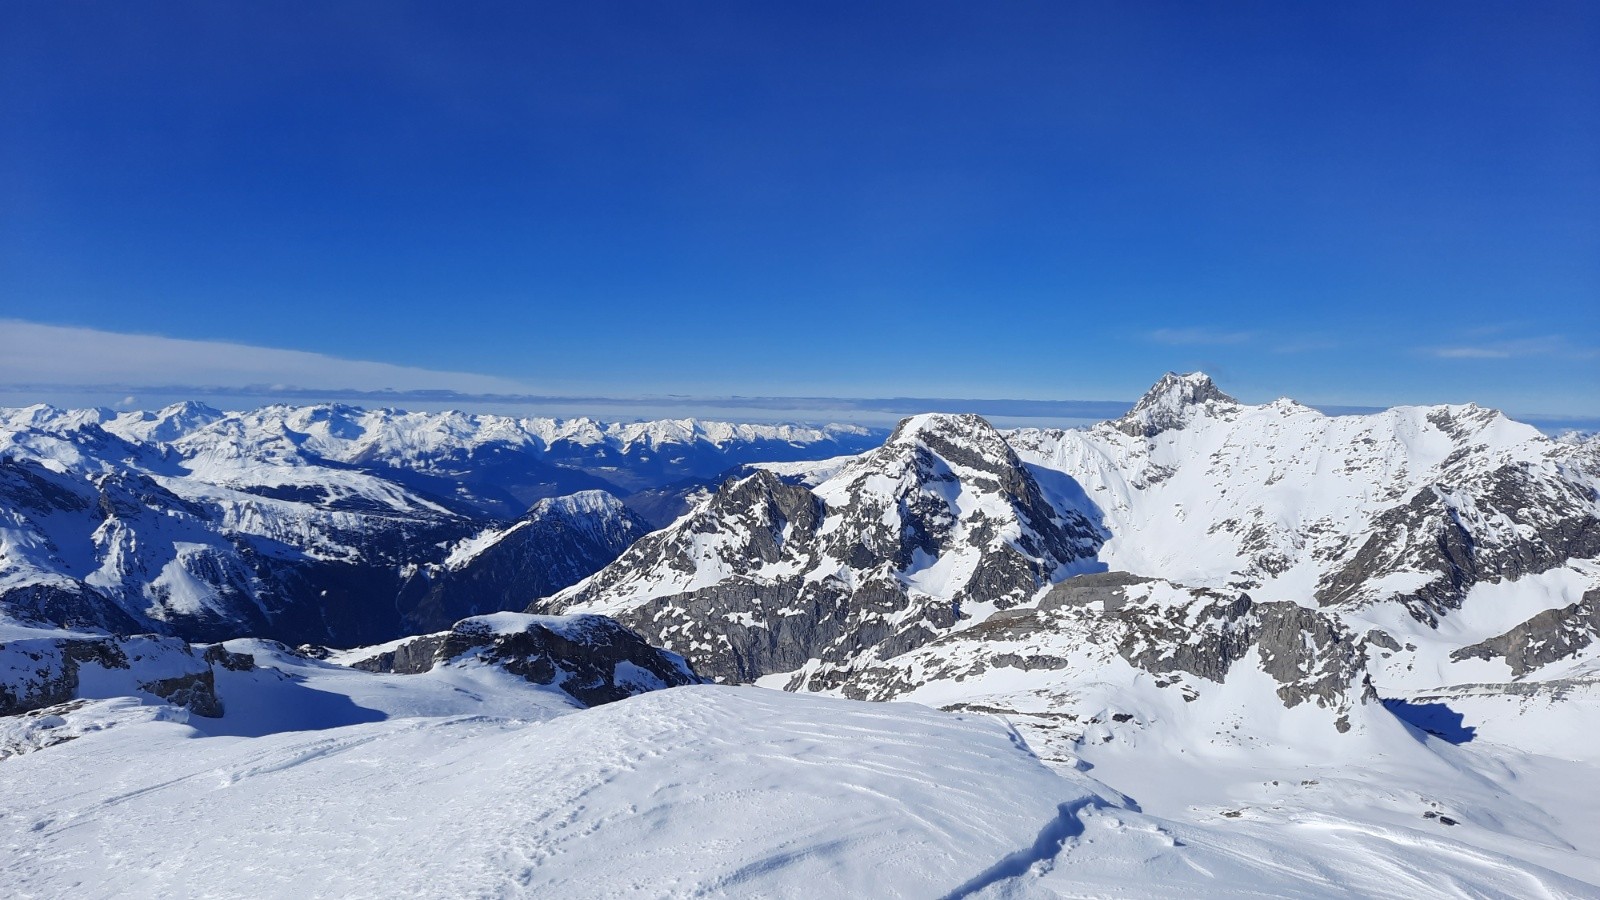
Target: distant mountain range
(329, 524)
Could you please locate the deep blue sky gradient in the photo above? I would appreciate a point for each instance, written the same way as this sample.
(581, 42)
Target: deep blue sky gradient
(1360, 203)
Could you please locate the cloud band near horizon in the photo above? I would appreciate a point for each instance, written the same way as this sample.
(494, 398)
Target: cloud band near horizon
(40, 362)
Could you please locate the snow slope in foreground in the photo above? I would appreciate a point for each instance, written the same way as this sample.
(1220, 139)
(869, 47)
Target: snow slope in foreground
(685, 792)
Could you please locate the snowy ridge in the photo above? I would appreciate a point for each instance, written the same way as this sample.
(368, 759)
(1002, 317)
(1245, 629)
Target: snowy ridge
(589, 511)
(244, 685)
(100, 533)
(1411, 507)
(557, 543)
(1288, 592)
(1173, 402)
(351, 434)
(590, 658)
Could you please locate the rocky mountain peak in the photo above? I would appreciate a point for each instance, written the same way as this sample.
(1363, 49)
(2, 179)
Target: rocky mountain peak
(912, 428)
(580, 505)
(942, 523)
(1170, 404)
(961, 440)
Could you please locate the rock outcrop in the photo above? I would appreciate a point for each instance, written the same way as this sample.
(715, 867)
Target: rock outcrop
(40, 672)
(1170, 404)
(1548, 637)
(1185, 636)
(592, 659)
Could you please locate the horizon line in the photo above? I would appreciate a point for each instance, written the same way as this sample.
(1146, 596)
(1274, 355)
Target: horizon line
(999, 407)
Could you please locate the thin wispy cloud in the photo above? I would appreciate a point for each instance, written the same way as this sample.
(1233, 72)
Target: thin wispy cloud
(36, 354)
(78, 365)
(1305, 345)
(1547, 346)
(1199, 336)
(1470, 353)
(84, 366)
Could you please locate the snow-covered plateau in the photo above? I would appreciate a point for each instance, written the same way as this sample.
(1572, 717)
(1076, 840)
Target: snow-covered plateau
(1208, 649)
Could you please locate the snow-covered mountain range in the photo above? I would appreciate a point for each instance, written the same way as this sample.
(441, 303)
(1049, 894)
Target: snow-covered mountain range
(330, 524)
(1206, 649)
(1227, 578)
(1379, 525)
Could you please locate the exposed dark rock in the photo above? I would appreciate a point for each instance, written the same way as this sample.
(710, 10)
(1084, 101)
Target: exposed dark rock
(218, 655)
(196, 691)
(45, 672)
(1168, 404)
(410, 658)
(1383, 639)
(1513, 521)
(1311, 656)
(1552, 635)
(1215, 633)
(41, 676)
(557, 544)
(591, 658)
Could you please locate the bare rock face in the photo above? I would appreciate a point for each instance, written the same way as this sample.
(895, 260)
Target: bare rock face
(1167, 630)
(1170, 404)
(412, 657)
(557, 543)
(40, 672)
(1313, 657)
(884, 556)
(1514, 520)
(591, 658)
(1548, 637)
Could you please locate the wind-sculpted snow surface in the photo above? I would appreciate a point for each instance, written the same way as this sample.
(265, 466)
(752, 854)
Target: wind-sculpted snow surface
(1376, 629)
(692, 792)
(941, 524)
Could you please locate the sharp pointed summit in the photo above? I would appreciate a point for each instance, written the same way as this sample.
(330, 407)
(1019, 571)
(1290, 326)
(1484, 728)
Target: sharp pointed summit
(960, 439)
(1170, 404)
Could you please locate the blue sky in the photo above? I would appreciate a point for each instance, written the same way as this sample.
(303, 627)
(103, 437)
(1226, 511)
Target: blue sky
(1346, 203)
